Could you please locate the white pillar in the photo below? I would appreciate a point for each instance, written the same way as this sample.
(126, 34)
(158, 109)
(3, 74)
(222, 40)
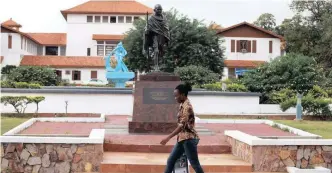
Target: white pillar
(225, 73)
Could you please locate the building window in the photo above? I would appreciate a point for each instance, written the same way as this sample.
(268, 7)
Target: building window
(120, 19)
(76, 75)
(105, 19)
(58, 73)
(67, 72)
(51, 50)
(231, 73)
(10, 39)
(105, 47)
(136, 18)
(89, 19)
(129, 19)
(94, 75)
(113, 19)
(244, 45)
(88, 52)
(97, 19)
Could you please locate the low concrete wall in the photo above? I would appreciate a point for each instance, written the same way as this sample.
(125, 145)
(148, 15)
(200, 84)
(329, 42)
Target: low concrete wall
(275, 155)
(39, 157)
(120, 101)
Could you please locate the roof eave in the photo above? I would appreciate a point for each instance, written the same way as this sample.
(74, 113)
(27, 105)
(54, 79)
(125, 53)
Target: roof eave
(256, 27)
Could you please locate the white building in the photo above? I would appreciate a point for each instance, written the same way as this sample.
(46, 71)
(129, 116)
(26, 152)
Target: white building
(247, 46)
(95, 27)
(93, 30)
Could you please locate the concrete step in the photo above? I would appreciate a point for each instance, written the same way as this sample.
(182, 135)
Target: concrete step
(127, 162)
(157, 148)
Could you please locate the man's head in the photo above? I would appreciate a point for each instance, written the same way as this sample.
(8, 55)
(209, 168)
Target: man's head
(181, 92)
(158, 9)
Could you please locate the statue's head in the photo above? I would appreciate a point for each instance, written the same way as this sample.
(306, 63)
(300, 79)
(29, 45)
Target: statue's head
(158, 9)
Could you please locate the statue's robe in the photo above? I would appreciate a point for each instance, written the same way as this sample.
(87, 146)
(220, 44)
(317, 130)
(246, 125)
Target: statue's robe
(158, 33)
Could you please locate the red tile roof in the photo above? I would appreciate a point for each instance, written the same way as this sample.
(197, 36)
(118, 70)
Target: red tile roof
(251, 25)
(11, 23)
(19, 32)
(49, 39)
(63, 61)
(107, 37)
(243, 63)
(109, 7)
(1, 59)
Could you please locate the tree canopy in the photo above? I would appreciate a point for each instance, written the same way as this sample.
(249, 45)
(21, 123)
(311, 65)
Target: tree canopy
(192, 43)
(294, 71)
(266, 21)
(310, 34)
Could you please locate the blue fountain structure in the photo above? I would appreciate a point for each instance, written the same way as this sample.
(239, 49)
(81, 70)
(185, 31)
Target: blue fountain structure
(118, 73)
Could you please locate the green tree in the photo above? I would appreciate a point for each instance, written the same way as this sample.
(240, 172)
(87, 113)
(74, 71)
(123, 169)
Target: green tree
(192, 43)
(294, 71)
(32, 74)
(19, 103)
(310, 34)
(37, 100)
(266, 21)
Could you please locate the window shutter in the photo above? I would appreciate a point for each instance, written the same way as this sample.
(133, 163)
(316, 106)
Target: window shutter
(73, 75)
(9, 41)
(238, 46)
(79, 75)
(249, 46)
(93, 74)
(254, 46)
(232, 45)
(270, 47)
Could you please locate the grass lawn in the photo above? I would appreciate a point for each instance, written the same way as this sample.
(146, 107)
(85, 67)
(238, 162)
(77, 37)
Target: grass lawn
(322, 128)
(7, 123)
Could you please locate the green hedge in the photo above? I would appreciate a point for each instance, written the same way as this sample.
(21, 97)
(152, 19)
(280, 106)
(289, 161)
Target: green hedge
(10, 84)
(231, 87)
(196, 75)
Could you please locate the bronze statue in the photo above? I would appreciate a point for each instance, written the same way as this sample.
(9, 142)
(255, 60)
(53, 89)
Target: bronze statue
(156, 35)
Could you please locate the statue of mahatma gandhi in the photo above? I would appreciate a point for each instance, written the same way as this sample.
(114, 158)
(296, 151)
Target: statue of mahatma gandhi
(156, 35)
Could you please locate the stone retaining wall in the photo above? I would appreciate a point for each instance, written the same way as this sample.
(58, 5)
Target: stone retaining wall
(51, 158)
(277, 158)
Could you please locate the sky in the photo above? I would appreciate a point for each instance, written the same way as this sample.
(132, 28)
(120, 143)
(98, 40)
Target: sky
(45, 16)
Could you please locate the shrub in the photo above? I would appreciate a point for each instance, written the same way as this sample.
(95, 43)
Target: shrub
(196, 75)
(10, 84)
(277, 97)
(311, 106)
(21, 85)
(318, 92)
(234, 87)
(43, 75)
(213, 86)
(34, 86)
(7, 84)
(6, 69)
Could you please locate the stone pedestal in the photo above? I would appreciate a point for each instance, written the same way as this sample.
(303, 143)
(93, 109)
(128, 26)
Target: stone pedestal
(155, 108)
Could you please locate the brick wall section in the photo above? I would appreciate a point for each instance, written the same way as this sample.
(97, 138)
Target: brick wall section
(44, 158)
(277, 158)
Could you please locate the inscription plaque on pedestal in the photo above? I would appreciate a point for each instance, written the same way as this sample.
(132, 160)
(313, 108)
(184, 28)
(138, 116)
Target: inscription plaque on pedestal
(155, 108)
(158, 96)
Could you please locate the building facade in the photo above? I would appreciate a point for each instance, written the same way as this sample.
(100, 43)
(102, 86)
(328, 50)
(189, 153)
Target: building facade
(246, 47)
(94, 29)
